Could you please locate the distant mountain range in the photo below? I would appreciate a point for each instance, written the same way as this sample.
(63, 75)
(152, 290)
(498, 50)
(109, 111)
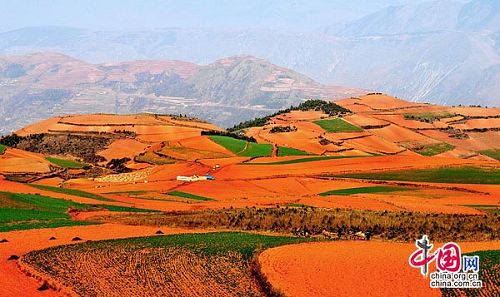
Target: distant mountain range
(226, 92)
(445, 52)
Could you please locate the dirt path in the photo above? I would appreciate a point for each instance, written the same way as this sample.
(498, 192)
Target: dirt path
(350, 268)
(14, 283)
(244, 149)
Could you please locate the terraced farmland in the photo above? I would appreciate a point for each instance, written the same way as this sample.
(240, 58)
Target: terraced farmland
(189, 196)
(66, 163)
(428, 117)
(73, 192)
(337, 125)
(288, 151)
(25, 211)
(459, 175)
(210, 264)
(320, 175)
(363, 190)
(302, 160)
(493, 153)
(436, 149)
(243, 148)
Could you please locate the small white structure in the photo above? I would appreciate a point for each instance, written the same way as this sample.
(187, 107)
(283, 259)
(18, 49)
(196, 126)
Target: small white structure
(194, 178)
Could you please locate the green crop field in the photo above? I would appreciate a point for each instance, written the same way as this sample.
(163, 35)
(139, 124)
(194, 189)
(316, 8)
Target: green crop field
(132, 193)
(212, 243)
(302, 160)
(217, 264)
(72, 192)
(363, 190)
(288, 151)
(242, 147)
(257, 150)
(337, 125)
(66, 163)
(428, 117)
(234, 145)
(493, 153)
(153, 159)
(459, 175)
(436, 149)
(125, 208)
(25, 211)
(494, 209)
(2, 149)
(189, 196)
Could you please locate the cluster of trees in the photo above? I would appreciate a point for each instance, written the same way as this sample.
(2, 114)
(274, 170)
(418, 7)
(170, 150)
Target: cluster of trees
(118, 165)
(329, 108)
(281, 129)
(239, 136)
(124, 132)
(324, 141)
(13, 140)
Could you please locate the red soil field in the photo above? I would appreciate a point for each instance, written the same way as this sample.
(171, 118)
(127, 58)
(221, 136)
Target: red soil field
(355, 106)
(399, 120)
(224, 161)
(422, 197)
(275, 159)
(194, 148)
(458, 153)
(313, 269)
(189, 123)
(204, 143)
(338, 166)
(350, 268)
(306, 138)
(476, 141)
(14, 283)
(40, 127)
(399, 134)
(476, 111)
(19, 161)
(365, 121)
(339, 136)
(379, 102)
(374, 144)
(147, 127)
(478, 124)
(51, 181)
(123, 148)
(299, 115)
(108, 119)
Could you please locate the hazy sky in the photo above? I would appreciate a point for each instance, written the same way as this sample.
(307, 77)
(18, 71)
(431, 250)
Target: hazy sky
(146, 14)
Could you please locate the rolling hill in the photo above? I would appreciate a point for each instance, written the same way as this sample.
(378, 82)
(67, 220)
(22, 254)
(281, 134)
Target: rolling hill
(39, 86)
(444, 52)
(97, 145)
